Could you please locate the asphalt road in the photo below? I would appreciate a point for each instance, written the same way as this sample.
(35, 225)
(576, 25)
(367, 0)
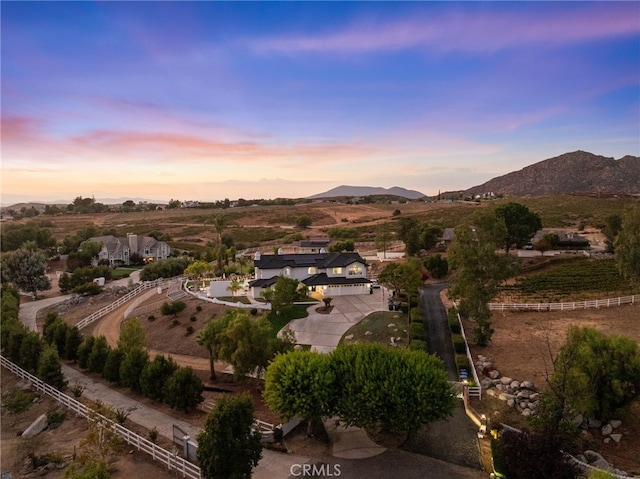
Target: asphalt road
(454, 439)
(438, 335)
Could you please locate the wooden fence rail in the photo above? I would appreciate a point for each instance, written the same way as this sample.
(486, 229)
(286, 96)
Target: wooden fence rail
(171, 460)
(564, 306)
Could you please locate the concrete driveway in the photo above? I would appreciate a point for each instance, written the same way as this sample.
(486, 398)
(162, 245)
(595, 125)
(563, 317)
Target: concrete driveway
(323, 331)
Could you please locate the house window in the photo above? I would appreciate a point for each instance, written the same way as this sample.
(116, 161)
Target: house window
(337, 270)
(287, 272)
(312, 270)
(355, 270)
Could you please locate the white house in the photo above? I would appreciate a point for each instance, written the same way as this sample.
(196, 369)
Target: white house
(326, 274)
(119, 250)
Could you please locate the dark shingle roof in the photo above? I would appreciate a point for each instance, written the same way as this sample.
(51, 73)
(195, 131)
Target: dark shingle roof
(322, 279)
(319, 260)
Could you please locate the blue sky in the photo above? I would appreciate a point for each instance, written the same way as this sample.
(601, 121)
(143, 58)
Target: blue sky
(213, 100)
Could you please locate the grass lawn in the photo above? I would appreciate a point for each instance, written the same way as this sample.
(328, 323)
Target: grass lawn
(119, 273)
(235, 299)
(378, 324)
(279, 321)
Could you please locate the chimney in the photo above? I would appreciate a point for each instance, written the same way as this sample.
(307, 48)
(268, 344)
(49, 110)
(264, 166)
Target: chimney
(133, 242)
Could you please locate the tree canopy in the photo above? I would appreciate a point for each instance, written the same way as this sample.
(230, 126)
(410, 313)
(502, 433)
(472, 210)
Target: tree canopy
(520, 222)
(229, 448)
(479, 269)
(27, 270)
(627, 246)
(300, 383)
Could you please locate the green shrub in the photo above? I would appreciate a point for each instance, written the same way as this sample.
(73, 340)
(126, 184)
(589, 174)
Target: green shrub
(418, 345)
(417, 331)
(151, 317)
(193, 319)
(55, 418)
(189, 330)
(198, 308)
(88, 289)
(454, 324)
(17, 401)
(416, 315)
(253, 312)
(458, 344)
(462, 362)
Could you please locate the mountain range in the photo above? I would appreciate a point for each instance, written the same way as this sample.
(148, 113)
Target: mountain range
(345, 190)
(578, 172)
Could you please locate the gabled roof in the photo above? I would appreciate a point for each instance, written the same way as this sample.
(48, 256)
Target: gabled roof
(263, 283)
(322, 279)
(319, 260)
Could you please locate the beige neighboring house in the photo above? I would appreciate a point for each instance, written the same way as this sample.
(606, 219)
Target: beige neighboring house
(118, 251)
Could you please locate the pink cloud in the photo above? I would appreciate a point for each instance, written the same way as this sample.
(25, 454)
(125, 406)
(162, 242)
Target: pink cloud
(467, 31)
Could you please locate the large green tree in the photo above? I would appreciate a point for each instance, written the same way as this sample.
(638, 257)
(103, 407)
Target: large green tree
(627, 246)
(246, 343)
(399, 390)
(479, 269)
(183, 390)
(229, 447)
(300, 383)
(27, 270)
(155, 375)
(602, 373)
(612, 226)
(285, 292)
(132, 336)
(521, 224)
(211, 338)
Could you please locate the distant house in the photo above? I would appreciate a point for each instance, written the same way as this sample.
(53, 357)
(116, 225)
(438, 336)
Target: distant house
(313, 246)
(326, 274)
(118, 251)
(566, 239)
(447, 236)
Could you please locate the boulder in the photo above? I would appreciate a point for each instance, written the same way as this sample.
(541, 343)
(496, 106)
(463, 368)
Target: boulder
(606, 429)
(527, 385)
(349, 337)
(506, 397)
(391, 325)
(594, 424)
(615, 423)
(526, 412)
(607, 440)
(491, 392)
(511, 403)
(534, 396)
(524, 394)
(506, 380)
(514, 385)
(616, 437)
(368, 333)
(485, 383)
(36, 426)
(592, 456)
(495, 374)
(577, 420)
(500, 387)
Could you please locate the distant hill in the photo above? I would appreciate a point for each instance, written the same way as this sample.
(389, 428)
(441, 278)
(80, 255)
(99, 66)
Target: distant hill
(577, 172)
(350, 191)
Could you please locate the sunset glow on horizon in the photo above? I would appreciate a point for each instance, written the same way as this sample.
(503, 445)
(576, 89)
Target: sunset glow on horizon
(213, 100)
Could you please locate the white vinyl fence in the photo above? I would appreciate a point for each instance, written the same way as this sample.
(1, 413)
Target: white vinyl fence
(564, 306)
(171, 460)
(123, 299)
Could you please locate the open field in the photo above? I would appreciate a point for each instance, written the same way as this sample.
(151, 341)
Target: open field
(254, 225)
(522, 346)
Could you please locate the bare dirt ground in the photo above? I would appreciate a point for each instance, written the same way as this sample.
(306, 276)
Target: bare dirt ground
(521, 348)
(62, 440)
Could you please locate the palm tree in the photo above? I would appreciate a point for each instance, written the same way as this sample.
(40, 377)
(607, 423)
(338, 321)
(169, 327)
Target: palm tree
(234, 287)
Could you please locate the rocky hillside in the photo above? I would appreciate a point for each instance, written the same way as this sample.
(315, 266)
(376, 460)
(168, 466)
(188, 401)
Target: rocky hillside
(576, 172)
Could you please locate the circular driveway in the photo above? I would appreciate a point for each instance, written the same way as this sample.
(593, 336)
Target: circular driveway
(323, 331)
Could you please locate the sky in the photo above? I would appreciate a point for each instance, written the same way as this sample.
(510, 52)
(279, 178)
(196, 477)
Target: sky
(213, 100)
